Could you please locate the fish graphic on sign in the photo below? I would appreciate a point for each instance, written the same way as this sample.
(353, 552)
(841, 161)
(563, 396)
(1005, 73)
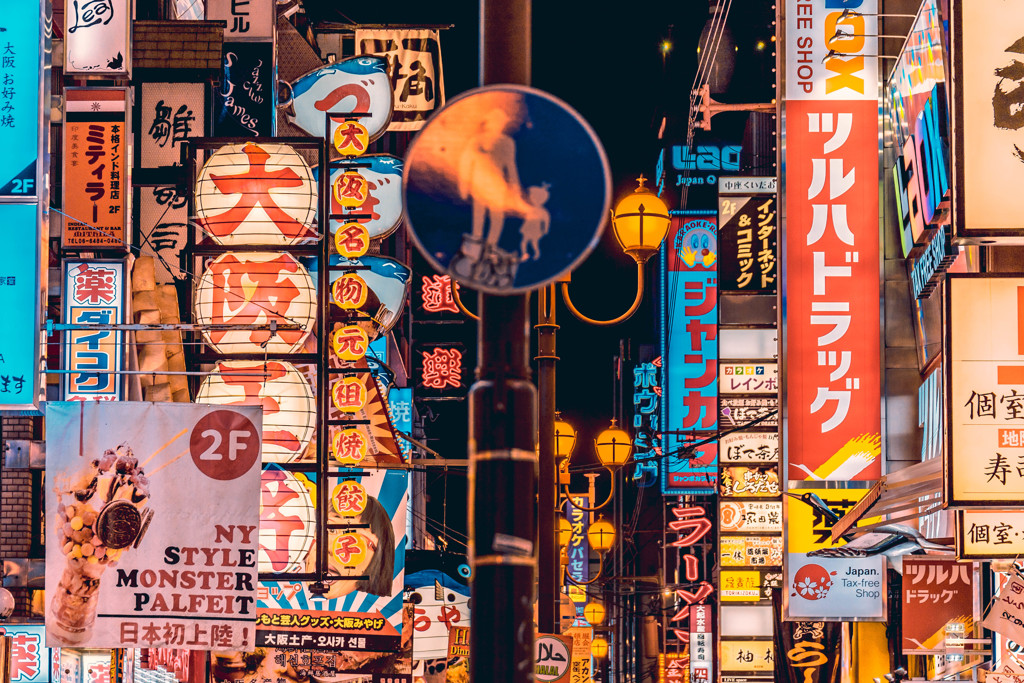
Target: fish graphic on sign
(372, 189)
(355, 85)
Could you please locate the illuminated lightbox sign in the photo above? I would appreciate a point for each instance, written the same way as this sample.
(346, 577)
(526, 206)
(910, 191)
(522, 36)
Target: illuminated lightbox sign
(748, 516)
(755, 447)
(94, 297)
(989, 534)
(985, 355)
(748, 378)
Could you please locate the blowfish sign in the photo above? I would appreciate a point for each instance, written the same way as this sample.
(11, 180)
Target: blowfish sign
(832, 240)
(359, 85)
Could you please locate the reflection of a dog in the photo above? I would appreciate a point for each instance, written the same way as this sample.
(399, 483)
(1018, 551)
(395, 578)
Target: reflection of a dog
(537, 224)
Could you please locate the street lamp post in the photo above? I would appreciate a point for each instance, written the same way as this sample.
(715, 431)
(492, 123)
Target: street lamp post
(640, 221)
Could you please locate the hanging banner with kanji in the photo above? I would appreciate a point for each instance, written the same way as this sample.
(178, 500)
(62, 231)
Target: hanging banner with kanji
(831, 308)
(938, 598)
(131, 559)
(94, 297)
(97, 179)
(414, 67)
(986, 391)
(170, 114)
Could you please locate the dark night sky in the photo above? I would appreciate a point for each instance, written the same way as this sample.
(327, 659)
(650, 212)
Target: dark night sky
(604, 61)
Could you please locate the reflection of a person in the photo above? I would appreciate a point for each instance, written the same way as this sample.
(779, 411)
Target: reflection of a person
(378, 566)
(488, 177)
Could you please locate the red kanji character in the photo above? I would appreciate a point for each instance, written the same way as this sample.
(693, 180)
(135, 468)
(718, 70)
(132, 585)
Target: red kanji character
(253, 185)
(348, 549)
(349, 445)
(349, 395)
(254, 388)
(349, 498)
(347, 138)
(350, 343)
(24, 656)
(350, 190)
(272, 501)
(349, 291)
(352, 240)
(442, 367)
(99, 673)
(437, 294)
(96, 285)
(250, 292)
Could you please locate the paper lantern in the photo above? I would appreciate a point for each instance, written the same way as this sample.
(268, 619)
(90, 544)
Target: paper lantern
(348, 394)
(349, 342)
(348, 498)
(289, 408)
(349, 549)
(257, 193)
(594, 612)
(599, 647)
(352, 240)
(349, 292)
(349, 446)
(386, 287)
(287, 521)
(351, 138)
(256, 288)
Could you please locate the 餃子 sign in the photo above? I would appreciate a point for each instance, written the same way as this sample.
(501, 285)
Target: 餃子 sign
(131, 558)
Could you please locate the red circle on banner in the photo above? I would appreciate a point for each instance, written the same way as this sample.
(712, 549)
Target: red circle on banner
(224, 445)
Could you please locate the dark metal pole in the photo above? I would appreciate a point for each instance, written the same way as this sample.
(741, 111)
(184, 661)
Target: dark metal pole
(503, 426)
(502, 484)
(548, 598)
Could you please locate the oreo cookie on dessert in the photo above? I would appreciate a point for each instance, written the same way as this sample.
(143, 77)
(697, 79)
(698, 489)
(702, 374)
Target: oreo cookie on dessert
(118, 524)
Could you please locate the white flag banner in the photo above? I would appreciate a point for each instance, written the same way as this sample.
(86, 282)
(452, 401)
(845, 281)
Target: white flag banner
(1007, 614)
(414, 67)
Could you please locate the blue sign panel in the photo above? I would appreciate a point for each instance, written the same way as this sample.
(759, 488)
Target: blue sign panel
(20, 299)
(30, 658)
(689, 271)
(23, 52)
(358, 85)
(506, 189)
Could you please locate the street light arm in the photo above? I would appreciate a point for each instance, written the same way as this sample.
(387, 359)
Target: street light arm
(600, 568)
(570, 497)
(458, 302)
(613, 321)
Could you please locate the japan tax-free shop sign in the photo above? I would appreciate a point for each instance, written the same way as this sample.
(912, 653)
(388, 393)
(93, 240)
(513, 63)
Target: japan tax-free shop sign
(985, 458)
(152, 524)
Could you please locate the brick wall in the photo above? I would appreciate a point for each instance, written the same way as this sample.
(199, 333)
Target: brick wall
(16, 503)
(177, 44)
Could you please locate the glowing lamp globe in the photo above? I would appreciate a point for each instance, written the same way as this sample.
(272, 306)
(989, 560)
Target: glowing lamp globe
(256, 193)
(640, 221)
(564, 531)
(599, 647)
(613, 446)
(289, 409)
(601, 535)
(594, 612)
(565, 438)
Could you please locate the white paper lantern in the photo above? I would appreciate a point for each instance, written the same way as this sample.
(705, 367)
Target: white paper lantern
(256, 193)
(289, 409)
(255, 289)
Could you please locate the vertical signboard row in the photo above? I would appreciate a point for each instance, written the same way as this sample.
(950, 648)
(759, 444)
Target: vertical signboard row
(750, 504)
(832, 420)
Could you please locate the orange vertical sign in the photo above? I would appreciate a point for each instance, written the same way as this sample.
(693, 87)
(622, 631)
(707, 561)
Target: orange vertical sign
(97, 166)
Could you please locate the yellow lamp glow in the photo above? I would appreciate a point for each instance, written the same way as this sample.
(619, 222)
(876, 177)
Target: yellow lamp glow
(565, 437)
(564, 531)
(640, 221)
(614, 446)
(594, 612)
(601, 535)
(599, 647)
